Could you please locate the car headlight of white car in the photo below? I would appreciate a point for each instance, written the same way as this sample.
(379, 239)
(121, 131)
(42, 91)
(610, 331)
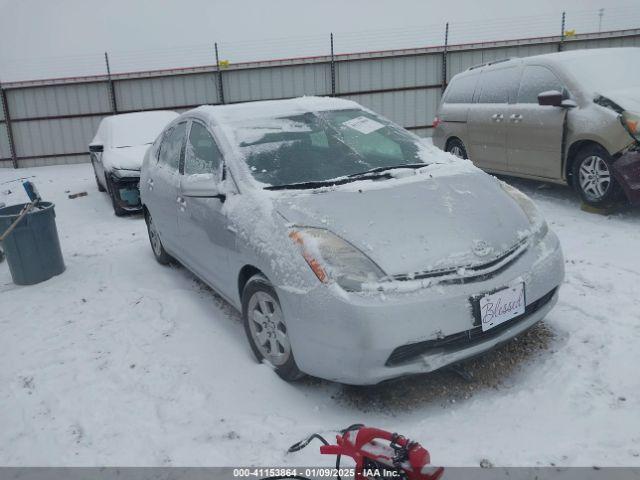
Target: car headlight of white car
(333, 259)
(539, 227)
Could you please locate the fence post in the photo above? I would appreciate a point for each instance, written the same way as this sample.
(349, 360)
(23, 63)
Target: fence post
(561, 44)
(220, 84)
(7, 122)
(333, 68)
(444, 57)
(112, 91)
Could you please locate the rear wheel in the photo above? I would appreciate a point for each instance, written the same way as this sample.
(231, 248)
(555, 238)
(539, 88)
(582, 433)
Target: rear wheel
(456, 147)
(266, 329)
(593, 178)
(156, 244)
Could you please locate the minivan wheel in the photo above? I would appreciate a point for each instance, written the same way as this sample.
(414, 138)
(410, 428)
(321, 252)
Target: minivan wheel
(266, 329)
(156, 244)
(456, 147)
(592, 177)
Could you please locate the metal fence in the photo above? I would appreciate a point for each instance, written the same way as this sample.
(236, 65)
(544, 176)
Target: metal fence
(46, 122)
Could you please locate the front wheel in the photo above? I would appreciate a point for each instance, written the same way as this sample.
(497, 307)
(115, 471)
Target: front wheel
(593, 178)
(117, 209)
(266, 329)
(156, 244)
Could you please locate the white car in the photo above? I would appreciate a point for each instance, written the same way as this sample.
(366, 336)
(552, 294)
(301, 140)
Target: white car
(117, 151)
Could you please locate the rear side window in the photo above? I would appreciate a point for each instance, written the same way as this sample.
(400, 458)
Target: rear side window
(498, 86)
(461, 89)
(202, 154)
(535, 80)
(171, 146)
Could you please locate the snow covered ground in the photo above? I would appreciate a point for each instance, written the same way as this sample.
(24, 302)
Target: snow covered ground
(120, 361)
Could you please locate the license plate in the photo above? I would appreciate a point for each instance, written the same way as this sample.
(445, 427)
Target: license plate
(501, 306)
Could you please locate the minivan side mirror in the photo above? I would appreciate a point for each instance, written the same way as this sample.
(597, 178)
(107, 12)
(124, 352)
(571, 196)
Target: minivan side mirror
(551, 98)
(96, 148)
(203, 185)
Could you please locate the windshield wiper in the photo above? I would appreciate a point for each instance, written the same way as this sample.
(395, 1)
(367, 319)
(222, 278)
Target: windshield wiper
(385, 169)
(310, 185)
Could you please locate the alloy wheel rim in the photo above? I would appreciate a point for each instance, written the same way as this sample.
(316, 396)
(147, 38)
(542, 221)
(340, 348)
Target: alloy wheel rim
(267, 327)
(595, 177)
(456, 151)
(155, 238)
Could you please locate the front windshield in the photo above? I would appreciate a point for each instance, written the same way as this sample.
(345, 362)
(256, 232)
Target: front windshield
(602, 73)
(321, 146)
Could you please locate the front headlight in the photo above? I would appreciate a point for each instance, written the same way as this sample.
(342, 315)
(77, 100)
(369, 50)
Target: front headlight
(631, 123)
(120, 173)
(539, 227)
(333, 259)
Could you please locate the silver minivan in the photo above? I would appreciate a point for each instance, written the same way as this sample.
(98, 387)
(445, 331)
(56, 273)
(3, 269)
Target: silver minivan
(561, 117)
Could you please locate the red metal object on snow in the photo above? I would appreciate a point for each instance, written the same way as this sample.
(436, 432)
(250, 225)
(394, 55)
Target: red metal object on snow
(375, 450)
(626, 171)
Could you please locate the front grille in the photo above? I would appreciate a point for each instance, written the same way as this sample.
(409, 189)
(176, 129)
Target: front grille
(465, 339)
(473, 272)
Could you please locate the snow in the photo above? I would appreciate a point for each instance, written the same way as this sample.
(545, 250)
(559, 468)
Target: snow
(121, 361)
(132, 129)
(250, 111)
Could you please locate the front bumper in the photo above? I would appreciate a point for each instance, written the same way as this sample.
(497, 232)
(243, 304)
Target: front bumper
(626, 171)
(125, 190)
(355, 338)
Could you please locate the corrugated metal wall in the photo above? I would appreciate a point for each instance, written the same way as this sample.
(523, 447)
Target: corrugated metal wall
(53, 122)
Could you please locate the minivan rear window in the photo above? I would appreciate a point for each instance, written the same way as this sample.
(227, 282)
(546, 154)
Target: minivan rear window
(461, 89)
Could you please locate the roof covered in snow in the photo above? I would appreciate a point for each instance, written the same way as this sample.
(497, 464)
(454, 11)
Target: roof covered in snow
(221, 114)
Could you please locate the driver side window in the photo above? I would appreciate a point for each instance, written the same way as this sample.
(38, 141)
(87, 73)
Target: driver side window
(535, 80)
(202, 154)
(171, 146)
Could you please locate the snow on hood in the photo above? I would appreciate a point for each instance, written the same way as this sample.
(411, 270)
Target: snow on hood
(627, 98)
(408, 226)
(124, 158)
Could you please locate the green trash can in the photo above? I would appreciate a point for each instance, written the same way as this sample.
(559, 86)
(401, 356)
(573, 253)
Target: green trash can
(32, 249)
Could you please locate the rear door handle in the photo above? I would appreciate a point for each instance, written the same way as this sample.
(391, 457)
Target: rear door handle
(182, 203)
(515, 117)
(497, 117)
(150, 183)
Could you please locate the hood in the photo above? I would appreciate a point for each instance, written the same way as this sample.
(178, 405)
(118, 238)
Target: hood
(124, 158)
(414, 227)
(627, 98)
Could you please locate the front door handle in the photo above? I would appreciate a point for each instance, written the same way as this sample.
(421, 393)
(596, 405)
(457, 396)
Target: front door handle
(182, 203)
(150, 183)
(515, 117)
(497, 117)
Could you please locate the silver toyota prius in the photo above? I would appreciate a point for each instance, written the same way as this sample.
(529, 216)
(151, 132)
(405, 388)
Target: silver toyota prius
(355, 251)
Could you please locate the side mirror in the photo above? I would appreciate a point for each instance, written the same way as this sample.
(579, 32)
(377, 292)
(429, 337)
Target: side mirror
(203, 185)
(551, 98)
(568, 103)
(95, 148)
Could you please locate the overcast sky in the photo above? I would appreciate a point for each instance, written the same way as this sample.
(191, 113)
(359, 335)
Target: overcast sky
(40, 30)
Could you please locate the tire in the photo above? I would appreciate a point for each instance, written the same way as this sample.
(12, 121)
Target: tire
(100, 187)
(157, 248)
(271, 334)
(593, 178)
(456, 147)
(117, 209)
